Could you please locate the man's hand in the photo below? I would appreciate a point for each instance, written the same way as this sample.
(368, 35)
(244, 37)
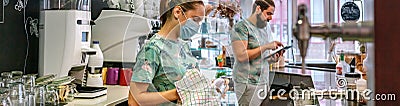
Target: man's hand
(281, 53)
(273, 45)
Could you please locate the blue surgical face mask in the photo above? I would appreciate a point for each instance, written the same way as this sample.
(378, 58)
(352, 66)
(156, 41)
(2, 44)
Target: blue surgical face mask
(189, 29)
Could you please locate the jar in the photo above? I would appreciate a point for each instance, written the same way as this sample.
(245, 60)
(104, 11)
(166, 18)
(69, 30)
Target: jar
(352, 93)
(17, 73)
(67, 93)
(51, 95)
(351, 79)
(17, 79)
(40, 95)
(72, 92)
(361, 87)
(5, 97)
(2, 82)
(6, 78)
(43, 80)
(17, 93)
(30, 79)
(6, 75)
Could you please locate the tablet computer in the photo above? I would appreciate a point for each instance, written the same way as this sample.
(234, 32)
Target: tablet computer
(273, 52)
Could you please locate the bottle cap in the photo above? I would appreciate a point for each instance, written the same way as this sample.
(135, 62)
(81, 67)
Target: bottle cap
(96, 42)
(352, 65)
(352, 75)
(341, 57)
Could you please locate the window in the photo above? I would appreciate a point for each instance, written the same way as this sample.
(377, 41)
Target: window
(279, 23)
(347, 45)
(317, 46)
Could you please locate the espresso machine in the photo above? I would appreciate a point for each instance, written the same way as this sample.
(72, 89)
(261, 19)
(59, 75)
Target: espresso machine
(119, 32)
(65, 36)
(65, 42)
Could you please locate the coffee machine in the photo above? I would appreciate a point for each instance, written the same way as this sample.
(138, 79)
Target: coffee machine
(64, 42)
(119, 32)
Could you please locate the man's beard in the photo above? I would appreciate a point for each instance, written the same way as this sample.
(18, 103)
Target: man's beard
(260, 22)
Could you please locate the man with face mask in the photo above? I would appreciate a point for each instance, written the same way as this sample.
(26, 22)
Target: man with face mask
(251, 43)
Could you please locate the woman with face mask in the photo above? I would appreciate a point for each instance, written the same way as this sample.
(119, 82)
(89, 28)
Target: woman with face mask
(165, 58)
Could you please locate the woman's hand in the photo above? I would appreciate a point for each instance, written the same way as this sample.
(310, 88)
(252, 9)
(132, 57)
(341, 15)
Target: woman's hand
(273, 45)
(142, 97)
(174, 94)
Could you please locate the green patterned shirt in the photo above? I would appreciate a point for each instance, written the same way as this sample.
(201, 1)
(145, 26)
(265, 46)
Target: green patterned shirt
(161, 62)
(254, 71)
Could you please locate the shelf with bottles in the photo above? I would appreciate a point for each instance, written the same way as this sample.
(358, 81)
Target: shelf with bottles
(209, 42)
(223, 36)
(205, 42)
(214, 32)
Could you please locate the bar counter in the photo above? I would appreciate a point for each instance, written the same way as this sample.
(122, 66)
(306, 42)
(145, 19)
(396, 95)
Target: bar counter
(317, 78)
(115, 94)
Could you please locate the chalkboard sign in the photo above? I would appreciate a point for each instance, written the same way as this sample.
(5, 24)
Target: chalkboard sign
(19, 48)
(350, 11)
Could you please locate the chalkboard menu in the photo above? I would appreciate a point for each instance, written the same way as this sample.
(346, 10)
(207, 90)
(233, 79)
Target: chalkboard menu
(350, 11)
(16, 43)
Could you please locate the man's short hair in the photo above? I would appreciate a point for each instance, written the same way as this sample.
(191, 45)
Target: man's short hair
(264, 4)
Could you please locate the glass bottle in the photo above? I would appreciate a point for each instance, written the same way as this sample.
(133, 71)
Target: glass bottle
(2, 82)
(40, 95)
(6, 76)
(72, 92)
(17, 93)
(29, 81)
(5, 97)
(69, 93)
(17, 73)
(51, 95)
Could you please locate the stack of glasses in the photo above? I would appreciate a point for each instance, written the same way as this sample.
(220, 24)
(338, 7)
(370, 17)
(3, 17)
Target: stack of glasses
(17, 89)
